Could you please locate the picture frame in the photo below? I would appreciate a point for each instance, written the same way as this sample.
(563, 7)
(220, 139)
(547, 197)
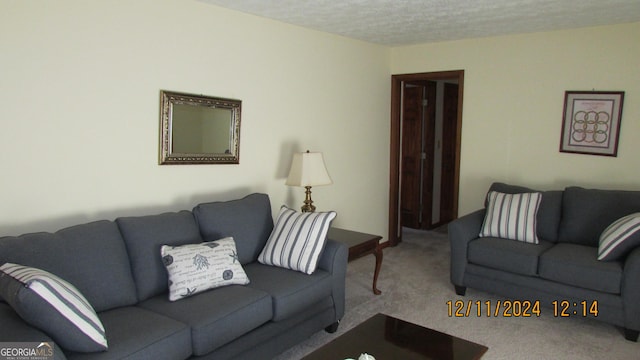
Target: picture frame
(591, 122)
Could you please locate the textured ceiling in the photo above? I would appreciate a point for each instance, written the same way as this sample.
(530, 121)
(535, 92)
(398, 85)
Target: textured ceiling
(404, 22)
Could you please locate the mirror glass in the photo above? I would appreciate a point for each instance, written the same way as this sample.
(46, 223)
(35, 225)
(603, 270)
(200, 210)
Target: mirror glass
(198, 129)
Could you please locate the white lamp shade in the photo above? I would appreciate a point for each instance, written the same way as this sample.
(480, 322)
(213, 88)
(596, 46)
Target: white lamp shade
(308, 169)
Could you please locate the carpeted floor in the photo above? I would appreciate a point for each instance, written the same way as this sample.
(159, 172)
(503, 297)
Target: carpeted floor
(415, 287)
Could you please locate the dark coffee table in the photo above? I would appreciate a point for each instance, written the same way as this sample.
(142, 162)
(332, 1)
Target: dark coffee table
(386, 337)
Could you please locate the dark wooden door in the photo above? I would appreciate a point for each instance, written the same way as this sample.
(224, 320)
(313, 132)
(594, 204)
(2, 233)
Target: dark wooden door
(449, 125)
(428, 149)
(411, 156)
(396, 160)
(418, 141)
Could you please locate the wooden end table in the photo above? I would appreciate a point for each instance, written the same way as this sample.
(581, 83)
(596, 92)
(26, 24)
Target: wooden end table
(360, 244)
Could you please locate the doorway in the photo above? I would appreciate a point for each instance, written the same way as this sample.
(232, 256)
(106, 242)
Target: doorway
(426, 119)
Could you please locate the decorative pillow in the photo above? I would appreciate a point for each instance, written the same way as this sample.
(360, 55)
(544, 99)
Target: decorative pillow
(194, 268)
(619, 238)
(512, 216)
(51, 304)
(297, 240)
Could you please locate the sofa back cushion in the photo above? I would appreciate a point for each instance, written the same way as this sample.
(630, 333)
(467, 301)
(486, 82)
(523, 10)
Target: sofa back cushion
(144, 236)
(247, 220)
(586, 213)
(549, 210)
(92, 257)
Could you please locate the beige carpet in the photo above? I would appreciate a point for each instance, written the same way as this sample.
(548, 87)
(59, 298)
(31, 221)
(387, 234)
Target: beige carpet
(415, 287)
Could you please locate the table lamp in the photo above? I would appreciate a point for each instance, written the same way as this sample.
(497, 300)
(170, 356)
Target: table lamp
(307, 170)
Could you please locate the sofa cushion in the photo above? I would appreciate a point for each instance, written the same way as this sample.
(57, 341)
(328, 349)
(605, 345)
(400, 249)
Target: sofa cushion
(577, 265)
(54, 306)
(218, 316)
(194, 268)
(587, 212)
(136, 333)
(512, 216)
(619, 238)
(297, 240)
(144, 235)
(81, 255)
(507, 255)
(291, 291)
(247, 220)
(549, 211)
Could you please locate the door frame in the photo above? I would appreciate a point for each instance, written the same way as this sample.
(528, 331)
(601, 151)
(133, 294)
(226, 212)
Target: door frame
(395, 235)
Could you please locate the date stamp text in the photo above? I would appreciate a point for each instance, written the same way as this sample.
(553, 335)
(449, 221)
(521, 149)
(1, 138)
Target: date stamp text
(519, 308)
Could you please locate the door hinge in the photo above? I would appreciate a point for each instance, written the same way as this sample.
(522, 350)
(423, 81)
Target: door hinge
(425, 102)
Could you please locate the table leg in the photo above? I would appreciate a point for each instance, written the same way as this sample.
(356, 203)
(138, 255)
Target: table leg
(378, 254)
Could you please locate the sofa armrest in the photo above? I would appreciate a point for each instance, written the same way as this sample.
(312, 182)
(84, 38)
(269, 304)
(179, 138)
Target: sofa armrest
(631, 290)
(461, 231)
(14, 329)
(334, 260)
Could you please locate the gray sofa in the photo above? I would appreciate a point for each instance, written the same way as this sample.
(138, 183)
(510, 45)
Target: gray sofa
(117, 266)
(563, 266)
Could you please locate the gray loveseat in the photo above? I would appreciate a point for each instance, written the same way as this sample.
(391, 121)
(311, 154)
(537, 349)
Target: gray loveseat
(563, 267)
(117, 266)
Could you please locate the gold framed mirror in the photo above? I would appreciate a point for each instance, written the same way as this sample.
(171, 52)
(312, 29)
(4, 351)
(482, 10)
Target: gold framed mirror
(198, 129)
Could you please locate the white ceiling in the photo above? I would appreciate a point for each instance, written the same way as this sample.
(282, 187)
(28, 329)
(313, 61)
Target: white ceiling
(404, 22)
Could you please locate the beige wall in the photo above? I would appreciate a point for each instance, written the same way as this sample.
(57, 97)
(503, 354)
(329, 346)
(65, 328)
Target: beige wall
(513, 102)
(80, 99)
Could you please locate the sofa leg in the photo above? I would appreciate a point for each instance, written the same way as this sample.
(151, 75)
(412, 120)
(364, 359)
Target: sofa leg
(332, 328)
(460, 290)
(631, 335)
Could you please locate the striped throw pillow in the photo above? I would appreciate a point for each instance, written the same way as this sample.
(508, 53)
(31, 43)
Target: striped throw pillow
(512, 216)
(297, 240)
(54, 306)
(622, 236)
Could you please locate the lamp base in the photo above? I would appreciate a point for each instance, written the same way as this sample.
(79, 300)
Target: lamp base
(308, 203)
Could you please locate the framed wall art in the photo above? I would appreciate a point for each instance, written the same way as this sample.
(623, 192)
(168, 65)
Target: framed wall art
(591, 122)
